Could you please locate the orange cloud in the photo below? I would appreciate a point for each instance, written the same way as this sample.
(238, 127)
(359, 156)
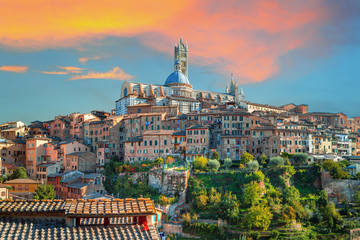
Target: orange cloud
(16, 69)
(115, 74)
(244, 37)
(54, 72)
(73, 69)
(84, 60)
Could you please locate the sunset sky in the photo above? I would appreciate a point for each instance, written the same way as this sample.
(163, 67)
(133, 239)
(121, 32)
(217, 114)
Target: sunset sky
(58, 57)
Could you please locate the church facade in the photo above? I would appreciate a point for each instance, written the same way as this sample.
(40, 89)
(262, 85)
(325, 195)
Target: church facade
(177, 90)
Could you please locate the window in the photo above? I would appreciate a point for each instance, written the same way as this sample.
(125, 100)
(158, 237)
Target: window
(155, 142)
(165, 142)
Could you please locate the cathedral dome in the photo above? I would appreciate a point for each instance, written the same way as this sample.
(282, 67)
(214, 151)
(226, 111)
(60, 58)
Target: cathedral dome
(177, 77)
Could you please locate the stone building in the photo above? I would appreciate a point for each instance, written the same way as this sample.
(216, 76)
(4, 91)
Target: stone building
(151, 145)
(197, 141)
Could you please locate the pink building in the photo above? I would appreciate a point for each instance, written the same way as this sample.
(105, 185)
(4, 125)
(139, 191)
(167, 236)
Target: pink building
(34, 152)
(60, 128)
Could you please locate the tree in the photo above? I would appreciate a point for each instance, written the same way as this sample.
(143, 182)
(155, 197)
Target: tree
(214, 197)
(227, 163)
(323, 199)
(288, 214)
(300, 159)
(331, 216)
(214, 165)
(253, 166)
(45, 191)
(159, 161)
(246, 157)
(259, 216)
(291, 196)
(252, 193)
(263, 159)
(201, 201)
(215, 155)
(19, 173)
(276, 163)
(229, 207)
(170, 159)
(357, 197)
(200, 163)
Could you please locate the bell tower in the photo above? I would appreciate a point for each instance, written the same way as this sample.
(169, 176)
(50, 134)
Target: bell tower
(181, 54)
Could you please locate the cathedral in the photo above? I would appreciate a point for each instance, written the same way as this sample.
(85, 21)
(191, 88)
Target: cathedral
(177, 90)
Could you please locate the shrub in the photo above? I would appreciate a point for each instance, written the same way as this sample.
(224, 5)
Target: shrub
(253, 166)
(274, 234)
(170, 159)
(227, 162)
(276, 163)
(200, 163)
(246, 157)
(215, 155)
(254, 235)
(214, 165)
(300, 159)
(159, 161)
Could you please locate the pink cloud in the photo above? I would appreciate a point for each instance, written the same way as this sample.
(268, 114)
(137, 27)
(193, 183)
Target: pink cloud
(15, 69)
(244, 37)
(84, 60)
(115, 74)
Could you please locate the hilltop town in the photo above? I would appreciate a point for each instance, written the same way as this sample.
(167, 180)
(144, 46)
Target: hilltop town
(201, 162)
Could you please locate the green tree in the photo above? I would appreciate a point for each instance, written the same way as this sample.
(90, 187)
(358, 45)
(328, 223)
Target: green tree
(19, 173)
(252, 193)
(214, 197)
(201, 201)
(357, 197)
(159, 161)
(227, 163)
(276, 163)
(323, 199)
(214, 165)
(45, 191)
(263, 159)
(300, 159)
(246, 157)
(259, 216)
(291, 196)
(229, 207)
(215, 155)
(252, 166)
(200, 163)
(331, 216)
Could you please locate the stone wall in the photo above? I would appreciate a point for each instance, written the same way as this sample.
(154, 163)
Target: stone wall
(169, 181)
(342, 189)
(355, 234)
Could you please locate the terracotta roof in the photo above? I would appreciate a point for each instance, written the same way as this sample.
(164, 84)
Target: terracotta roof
(21, 180)
(53, 230)
(114, 207)
(158, 132)
(31, 206)
(81, 207)
(9, 166)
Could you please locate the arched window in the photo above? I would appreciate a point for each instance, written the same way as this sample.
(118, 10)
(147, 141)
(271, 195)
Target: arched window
(125, 92)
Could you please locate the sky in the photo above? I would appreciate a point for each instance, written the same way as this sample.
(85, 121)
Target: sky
(59, 57)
